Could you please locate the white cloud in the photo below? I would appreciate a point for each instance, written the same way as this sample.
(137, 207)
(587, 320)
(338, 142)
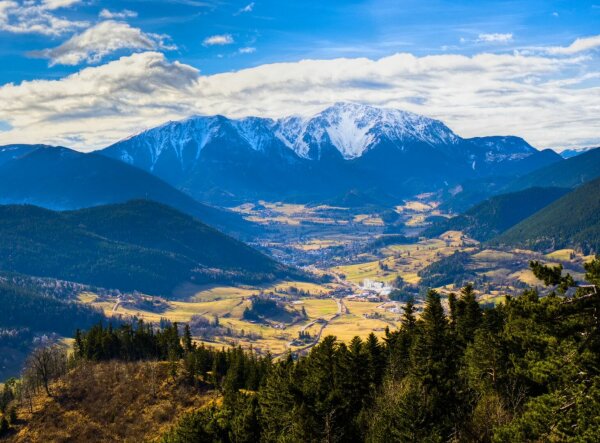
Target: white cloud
(248, 8)
(56, 4)
(92, 103)
(247, 50)
(549, 100)
(95, 43)
(37, 17)
(495, 38)
(223, 39)
(125, 13)
(579, 45)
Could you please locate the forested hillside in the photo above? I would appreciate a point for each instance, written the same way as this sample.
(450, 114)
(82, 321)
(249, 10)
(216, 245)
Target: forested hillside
(27, 313)
(572, 221)
(525, 370)
(497, 214)
(565, 174)
(140, 245)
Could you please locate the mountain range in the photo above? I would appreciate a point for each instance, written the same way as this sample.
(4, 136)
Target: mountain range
(569, 153)
(569, 173)
(62, 179)
(343, 148)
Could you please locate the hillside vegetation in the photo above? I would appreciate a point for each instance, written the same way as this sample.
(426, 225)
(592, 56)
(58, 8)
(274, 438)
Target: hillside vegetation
(28, 313)
(140, 245)
(525, 370)
(569, 173)
(109, 401)
(572, 221)
(497, 214)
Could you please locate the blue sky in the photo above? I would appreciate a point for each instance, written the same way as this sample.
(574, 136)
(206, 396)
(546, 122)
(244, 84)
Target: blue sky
(56, 40)
(292, 30)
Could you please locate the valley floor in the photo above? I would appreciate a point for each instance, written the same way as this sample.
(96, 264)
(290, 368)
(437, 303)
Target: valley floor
(336, 242)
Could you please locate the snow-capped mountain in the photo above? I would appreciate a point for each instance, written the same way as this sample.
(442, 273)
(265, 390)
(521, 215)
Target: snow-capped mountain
(353, 129)
(350, 129)
(344, 146)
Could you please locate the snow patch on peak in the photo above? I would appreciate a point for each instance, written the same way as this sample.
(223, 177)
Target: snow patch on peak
(256, 131)
(289, 130)
(348, 130)
(354, 128)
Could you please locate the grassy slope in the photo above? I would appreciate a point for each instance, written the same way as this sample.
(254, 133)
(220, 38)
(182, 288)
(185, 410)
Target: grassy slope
(110, 401)
(571, 221)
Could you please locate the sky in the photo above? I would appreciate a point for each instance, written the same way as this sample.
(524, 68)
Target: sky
(87, 73)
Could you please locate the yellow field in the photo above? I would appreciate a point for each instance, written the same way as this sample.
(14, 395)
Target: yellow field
(404, 260)
(316, 308)
(346, 327)
(313, 288)
(415, 206)
(288, 214)
(212, 292)
(314, 245)
(526, 276)
(489, 255)
(562, 254)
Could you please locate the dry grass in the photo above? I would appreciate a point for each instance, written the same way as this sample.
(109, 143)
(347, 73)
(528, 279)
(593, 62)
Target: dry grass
(562, 254)
(404, 260)
(490, 255)
(346, 327)
(113, 401)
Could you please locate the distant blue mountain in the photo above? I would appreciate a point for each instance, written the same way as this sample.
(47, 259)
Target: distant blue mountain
(62, 179)
(569, 153)
(345, 147)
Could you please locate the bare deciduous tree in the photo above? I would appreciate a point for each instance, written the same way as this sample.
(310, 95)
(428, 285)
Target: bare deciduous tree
(45, 364)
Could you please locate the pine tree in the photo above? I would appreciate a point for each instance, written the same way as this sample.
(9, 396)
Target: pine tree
(433, 368)
(3, 426)
(278, 397)
(188, 344)
(467, 315)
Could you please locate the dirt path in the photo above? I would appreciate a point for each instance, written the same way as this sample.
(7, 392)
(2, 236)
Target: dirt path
(342, 310)
(116, 306)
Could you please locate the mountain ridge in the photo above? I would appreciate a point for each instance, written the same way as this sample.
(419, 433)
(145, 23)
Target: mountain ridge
(59, 178)
(572, 221)
(345, 146)
(497, 214)
(139, 245)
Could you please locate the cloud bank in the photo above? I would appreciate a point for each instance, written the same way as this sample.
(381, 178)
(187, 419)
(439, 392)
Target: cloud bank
(37, 17)
(484, 94)
(95, 43)
(579, 45)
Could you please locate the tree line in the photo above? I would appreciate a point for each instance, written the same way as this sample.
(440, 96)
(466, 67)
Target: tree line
(525, 370)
